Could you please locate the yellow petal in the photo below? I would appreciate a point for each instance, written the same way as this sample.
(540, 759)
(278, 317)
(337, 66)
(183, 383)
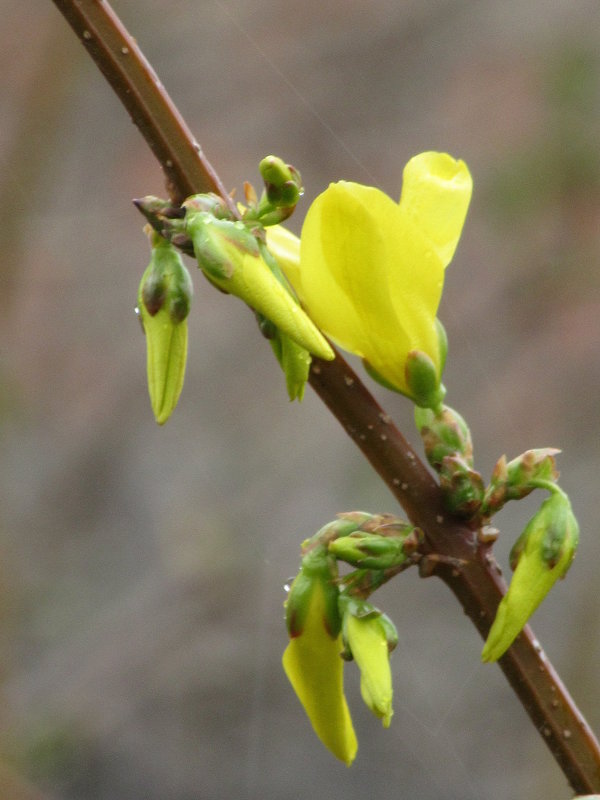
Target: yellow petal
(345, 260)
(166, 345)
(369, 278)
(436, 192)
(314, 667)
(285, 246)
(370, 651)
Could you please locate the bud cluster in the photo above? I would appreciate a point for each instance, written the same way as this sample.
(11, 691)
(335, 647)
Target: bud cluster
(330, 620)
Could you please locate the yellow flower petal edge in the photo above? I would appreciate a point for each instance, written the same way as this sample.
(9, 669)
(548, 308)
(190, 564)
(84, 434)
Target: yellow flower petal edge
(436, 192)
(371, 271)
(315, 669)
(369, 648)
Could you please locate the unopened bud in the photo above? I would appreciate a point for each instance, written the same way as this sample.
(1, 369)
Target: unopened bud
(541, 555)
(283, 183)
(312, 660)
(164, 298)
(369, 637)
(230, 257)
(444, 433)
(462, 486)
(372, 551)
(519, 477)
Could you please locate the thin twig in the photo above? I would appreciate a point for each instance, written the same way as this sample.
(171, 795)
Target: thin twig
(478, 584)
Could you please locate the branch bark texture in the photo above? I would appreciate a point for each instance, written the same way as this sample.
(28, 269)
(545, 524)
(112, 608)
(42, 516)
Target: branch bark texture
(467, 565)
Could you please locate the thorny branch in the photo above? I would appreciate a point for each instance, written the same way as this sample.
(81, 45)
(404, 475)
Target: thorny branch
(478, 585)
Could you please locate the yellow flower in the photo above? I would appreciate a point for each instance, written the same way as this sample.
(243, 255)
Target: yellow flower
(370, 271)
(314, 667)
(368, 643)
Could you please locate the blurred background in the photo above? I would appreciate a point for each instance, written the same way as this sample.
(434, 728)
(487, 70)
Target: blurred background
(142, 568)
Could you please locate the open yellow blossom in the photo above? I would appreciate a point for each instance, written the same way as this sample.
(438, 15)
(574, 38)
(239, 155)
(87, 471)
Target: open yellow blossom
(370, 271)
(315, 669)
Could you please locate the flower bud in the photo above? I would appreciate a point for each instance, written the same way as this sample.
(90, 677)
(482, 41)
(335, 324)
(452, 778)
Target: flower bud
(230, 257)
(369, 636)
(283, 184)
(542, 554)
(444, 433)
(370, 550)
(519, 477)
(164, 298)
(312, 660)
(462, 486)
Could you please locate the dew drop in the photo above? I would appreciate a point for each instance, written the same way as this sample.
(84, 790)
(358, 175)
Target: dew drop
(138, 314)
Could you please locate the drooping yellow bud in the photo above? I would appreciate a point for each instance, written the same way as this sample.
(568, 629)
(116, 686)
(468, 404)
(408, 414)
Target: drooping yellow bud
(367, 639)
(314, 667)
(542, 554)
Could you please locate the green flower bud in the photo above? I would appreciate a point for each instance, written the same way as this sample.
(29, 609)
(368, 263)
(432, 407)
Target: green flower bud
(444, 433)
(541, 555)
(369, 637)
(423, 380)
(230, 257)
(372, 551)
(519, 477)
(283, 184)
(462, 486)
(214, 204)
(164, 299)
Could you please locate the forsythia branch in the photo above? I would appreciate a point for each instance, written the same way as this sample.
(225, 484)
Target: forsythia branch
(477, 585)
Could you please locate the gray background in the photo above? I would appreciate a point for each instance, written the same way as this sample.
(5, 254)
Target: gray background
(142, 569)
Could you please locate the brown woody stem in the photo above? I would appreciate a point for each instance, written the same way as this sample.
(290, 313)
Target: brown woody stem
(477, 582)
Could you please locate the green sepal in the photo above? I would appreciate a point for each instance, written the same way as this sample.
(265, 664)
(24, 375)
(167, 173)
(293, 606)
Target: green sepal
(318, 569)
(423, 381)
